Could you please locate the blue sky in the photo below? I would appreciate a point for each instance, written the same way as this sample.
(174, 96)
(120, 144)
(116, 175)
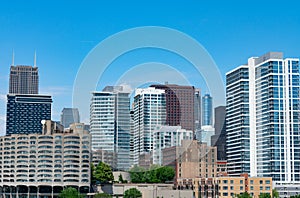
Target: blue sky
(64, 32)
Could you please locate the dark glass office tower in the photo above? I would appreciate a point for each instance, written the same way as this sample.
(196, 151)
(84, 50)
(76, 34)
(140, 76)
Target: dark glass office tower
(25, 113)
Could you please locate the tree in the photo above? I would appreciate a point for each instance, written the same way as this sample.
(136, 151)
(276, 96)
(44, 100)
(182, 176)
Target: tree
(121, 180)
(103, 173)
(165, 173)
(137, 174)
(155, 174)
(102, 195)
(265, 195)
(70, 193)
(295, 196)
(132, 193)
(275, 193)
(244, 195)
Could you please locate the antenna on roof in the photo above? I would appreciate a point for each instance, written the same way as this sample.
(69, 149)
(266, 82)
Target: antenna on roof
(34, 61)
(13, 58)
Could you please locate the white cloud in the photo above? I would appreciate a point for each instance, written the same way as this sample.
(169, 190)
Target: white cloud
(56, 91)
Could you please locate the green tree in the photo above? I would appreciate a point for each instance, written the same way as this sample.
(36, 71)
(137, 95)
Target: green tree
(121, 180)
(103, 173)
(275, 193)
(137, 174)
(132, 193)
(102, 195)
(155, 174)
(264, 195)
(70, 193)
(244, 195)
(165, 173)
(295, 196)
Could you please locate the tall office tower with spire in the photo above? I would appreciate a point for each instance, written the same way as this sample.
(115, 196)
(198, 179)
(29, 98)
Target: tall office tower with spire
(149, 113)
(110, 125)
(25, 107)
(263, 106)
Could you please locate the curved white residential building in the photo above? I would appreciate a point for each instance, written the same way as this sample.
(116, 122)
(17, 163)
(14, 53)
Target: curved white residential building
(43, 164)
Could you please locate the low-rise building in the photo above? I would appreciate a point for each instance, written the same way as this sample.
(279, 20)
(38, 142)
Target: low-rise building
(227, 186)
(195, 159)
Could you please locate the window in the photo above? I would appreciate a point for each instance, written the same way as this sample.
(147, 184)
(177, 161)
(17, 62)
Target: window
(225, 181)
(260, 188)
(251, 187)
(231, 181)
(267, 187)
(251, 181)
(267, 181)
(241, 181)
(231, 187)
(241, 187)
(260, 181)
(225, 194)
(225, 187)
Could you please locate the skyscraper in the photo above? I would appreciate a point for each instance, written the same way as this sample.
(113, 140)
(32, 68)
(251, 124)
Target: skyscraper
(197, 108)
(237, 121)
(110, 124)
(23, 80)
(207, 110)
(269, 96)
(149, 113)
(219, 139)
(69, 116)
(25, 113)
(180, 107)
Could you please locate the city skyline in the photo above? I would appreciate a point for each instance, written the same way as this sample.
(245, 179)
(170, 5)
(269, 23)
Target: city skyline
(62, 41)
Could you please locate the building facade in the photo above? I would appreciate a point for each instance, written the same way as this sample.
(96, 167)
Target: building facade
(110, 124)
(149, 113)
(207, 110)
(274, 118)
(219, 139)
(237, 121)
(180, 106)
(69, 116)
(227, 187)
(25, 113)
(195, 159)
(37, 165)
(23, 80)
(168, 136)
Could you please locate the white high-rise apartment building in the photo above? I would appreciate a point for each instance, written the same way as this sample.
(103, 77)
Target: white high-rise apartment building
(268, 104)
(149, 113)
(110, 124)
(166, 137)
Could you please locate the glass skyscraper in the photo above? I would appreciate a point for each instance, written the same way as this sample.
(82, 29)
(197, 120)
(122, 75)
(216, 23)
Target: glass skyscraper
(25, 113)
(69, 116)
(237, 121)
(268, 104)
(207, 110)
(110, 124)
